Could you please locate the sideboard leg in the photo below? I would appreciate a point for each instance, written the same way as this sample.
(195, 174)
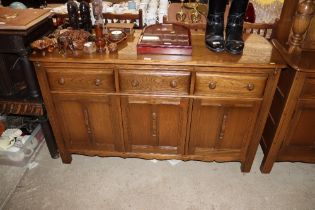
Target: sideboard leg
(66, 157)
(245, 167)
(266, 168)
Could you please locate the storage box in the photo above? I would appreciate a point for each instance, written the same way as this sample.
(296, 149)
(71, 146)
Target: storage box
(26, 152)
(169, 39)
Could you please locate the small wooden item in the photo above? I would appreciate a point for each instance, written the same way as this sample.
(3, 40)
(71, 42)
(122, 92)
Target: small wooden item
(117, 36)
(125, 27)
(165, 39)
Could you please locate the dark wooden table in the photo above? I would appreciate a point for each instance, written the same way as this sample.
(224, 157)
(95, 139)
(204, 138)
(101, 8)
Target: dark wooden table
(26, 101)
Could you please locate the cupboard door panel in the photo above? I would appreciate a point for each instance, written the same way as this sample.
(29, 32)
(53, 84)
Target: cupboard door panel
(204, 126)
(219, 125)
(155, 125)
(90, 122)
(302, 129)
(139, 124)
(169, 126)
(308, 90)
(104, 124)
(237, 121)
(71, 116)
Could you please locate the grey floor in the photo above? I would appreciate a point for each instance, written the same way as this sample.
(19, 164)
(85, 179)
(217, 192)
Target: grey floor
(115, 183)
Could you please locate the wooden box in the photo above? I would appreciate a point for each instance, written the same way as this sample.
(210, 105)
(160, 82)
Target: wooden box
(165, 39)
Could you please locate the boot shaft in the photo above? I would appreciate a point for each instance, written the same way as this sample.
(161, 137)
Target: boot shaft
(238, 7)
(234, 30)
(237, 14)
(216, 7)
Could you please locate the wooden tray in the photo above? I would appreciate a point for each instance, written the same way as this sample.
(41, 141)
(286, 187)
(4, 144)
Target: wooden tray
(165, 39)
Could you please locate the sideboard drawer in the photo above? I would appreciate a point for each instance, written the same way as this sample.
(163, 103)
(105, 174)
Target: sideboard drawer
(221, 84)
(91, 80)
(308, 90)
(156, 82)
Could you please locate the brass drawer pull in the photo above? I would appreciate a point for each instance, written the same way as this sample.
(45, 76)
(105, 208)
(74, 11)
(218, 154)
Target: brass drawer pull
(212, 85)
(173, 84)
(61, 81)
(250, 86)
(97, 82)
(134, 83)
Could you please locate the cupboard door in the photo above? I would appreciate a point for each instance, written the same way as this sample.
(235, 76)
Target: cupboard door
(222, 126)
(89, 122)
(154, 125)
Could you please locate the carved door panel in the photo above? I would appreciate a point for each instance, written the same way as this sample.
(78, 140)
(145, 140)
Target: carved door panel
(154, 125)
(221, 126)
(89, 122)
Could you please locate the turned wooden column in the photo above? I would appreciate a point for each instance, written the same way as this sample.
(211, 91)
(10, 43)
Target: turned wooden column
(284, 24)
(302, 19)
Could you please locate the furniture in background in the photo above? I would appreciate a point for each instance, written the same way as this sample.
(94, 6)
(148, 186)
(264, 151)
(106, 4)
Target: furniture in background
(264, 29)
(175, 8)
(136, 18)
(289, 134)
(208, 106)
(19, 91)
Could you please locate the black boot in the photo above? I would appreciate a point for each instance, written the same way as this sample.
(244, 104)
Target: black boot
(215, 25)
(234, 29)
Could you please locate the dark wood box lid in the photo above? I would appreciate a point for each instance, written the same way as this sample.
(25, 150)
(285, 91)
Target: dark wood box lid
(165, 39)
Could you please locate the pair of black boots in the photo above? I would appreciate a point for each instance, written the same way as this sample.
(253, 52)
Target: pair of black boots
(214, 37)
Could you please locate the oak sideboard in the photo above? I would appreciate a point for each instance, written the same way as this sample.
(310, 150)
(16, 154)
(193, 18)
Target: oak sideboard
(207, 106)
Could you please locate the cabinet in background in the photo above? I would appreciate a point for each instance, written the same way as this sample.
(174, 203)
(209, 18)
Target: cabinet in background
(289, 134)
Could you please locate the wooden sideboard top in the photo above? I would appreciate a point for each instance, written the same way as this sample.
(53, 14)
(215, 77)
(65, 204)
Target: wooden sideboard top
(258, 52)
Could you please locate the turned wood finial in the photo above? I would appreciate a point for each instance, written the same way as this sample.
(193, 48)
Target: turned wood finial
(302, 19)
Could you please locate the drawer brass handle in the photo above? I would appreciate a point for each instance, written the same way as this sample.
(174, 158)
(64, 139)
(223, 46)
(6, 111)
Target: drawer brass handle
(97, 82)
(173, 84)
(250, 86)
(134, 83)
(61, 81)
(212, 85)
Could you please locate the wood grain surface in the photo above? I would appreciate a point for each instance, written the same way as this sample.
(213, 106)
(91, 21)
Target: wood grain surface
(258, 52)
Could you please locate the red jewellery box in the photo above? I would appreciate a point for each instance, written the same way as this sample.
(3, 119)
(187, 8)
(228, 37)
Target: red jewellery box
(168, 39)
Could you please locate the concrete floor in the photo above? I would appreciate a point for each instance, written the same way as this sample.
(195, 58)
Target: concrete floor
(119, 184)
